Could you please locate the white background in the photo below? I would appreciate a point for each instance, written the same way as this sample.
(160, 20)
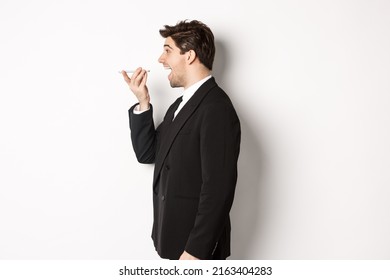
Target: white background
(309, 80)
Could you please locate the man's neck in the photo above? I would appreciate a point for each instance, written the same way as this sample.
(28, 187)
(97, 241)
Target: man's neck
(196, 77)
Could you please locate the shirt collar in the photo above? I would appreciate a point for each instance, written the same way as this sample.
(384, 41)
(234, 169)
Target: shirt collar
(189, 92)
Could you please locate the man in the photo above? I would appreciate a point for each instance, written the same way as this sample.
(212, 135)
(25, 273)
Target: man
(195, 149)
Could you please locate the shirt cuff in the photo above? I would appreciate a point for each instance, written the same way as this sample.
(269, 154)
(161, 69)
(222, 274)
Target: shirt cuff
(137, 111)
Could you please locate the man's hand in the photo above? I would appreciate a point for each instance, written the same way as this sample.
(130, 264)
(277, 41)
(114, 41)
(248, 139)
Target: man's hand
(186, 256)
(137, 84)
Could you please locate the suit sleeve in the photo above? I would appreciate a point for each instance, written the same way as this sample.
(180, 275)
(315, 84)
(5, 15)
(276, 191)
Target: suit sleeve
(220, 144)
(143, 135)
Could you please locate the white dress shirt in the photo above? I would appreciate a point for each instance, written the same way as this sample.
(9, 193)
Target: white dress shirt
(187, 94)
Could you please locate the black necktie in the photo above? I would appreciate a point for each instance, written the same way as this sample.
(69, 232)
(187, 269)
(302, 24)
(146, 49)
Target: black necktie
(176, 105)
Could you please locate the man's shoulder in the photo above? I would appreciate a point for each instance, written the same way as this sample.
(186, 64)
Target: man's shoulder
(217, 95)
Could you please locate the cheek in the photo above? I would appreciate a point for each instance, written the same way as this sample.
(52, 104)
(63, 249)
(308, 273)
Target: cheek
(177, 63)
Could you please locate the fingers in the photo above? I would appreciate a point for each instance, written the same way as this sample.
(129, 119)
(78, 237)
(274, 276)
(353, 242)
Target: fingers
(138, 77)
(137, 84)
(136, 73)
(144, 79)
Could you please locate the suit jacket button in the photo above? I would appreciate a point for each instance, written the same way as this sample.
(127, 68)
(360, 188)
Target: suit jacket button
(163, 198)
(167, 167)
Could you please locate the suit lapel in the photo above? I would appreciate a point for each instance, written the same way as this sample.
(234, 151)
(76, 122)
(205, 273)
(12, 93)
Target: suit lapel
(178, 123)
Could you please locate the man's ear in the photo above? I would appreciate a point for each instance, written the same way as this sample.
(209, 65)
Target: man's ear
(191, 56)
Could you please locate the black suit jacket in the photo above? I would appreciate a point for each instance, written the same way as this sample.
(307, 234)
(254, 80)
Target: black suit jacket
(195, 173)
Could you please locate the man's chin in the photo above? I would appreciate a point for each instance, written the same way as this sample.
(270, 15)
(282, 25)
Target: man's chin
(174, 85)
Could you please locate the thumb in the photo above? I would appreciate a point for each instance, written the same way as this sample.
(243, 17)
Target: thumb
(125, 76)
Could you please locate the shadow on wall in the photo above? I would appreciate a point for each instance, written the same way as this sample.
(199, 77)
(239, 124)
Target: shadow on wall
(245, 214)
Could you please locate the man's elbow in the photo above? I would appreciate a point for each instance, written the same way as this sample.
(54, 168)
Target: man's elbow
(145, 158)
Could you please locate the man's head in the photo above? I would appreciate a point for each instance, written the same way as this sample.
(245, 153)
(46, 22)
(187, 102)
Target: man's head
(188, 49)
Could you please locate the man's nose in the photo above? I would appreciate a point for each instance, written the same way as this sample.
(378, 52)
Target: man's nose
(160, 59)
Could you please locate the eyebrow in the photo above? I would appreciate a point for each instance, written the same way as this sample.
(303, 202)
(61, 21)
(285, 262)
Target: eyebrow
(166, 45)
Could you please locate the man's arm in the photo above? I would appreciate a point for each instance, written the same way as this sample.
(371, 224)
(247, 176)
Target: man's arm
(143, 135)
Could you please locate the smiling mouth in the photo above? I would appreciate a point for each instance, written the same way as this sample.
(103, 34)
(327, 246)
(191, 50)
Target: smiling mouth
(170, 73)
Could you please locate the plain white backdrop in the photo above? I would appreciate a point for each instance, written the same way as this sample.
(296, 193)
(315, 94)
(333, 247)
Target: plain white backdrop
(309, 80)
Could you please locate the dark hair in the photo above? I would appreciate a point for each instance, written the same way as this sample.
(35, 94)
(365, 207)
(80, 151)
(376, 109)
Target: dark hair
(192, 35)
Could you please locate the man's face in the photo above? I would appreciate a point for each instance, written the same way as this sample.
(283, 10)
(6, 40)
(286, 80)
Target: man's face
(174, 61)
